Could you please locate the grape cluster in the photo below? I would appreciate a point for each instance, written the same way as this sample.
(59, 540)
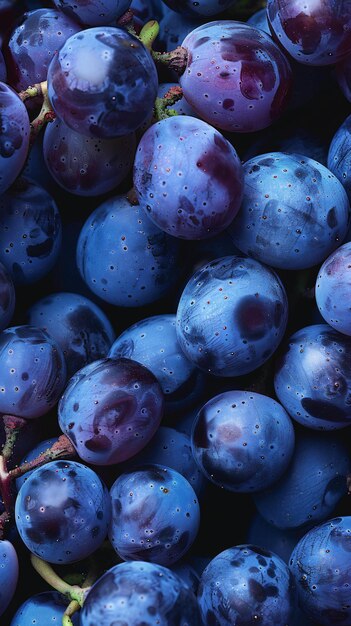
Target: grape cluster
(175, 312)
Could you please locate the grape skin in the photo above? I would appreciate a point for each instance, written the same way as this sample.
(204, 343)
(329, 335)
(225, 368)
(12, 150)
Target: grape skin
(14, 136)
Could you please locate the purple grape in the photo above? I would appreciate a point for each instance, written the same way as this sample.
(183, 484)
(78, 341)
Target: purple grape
(14, 136)
(94, 12)
(103, 82)
(86, 166)
(3, 70)
(246, 585)
(236, 77)
(140, 593)
(30, 232)
(79, 326)
(313, 377)
(231, 316)
(43, 609)
(242, 441)
(8, 573)
(333, 289)
(33, 371)
(153, 343)
(124, 258)
(110, 410)
(7, 297)
(339, 155)
(34, 42)
(205, 8)
(63, 512)
(312, 486)
(294, 213)
(317, 32)
(188, 178)
(320, 563)
(155, 515)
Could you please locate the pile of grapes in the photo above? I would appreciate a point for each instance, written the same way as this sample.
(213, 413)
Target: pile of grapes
(175, 312)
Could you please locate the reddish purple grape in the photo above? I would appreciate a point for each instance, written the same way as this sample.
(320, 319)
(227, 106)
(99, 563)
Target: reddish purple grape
(315, 32)
(236, 77)
(33, 44)
(103, 82)
(188, 178)
(110, 410)
(14, 136)
(86, 166)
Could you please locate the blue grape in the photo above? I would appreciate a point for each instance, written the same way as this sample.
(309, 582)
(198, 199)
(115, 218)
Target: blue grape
(43, 609)
(42, 446)
(94, 12)
(7, 297)
(33, 371)
(33, 43)
(174, 27)
(147, 10)
(246, 584)
(259, 20)
(171, 448)
(110, 410)
(153, 343)
(155, 515)
(242, 441)
(140, 593)
(187, 573)
(231, 316)
(3, 70)
(30, 232)
(339, 155)
(320, 563)
(14, 136)
(86, 166)
(333, 289)
(63, 512)
(188, 178)
(103, 82)
(299, 139)
(236, 77)
(8, 573)
(313, 377)
(79, 326)
(205, 8)
(123, 258)
(277, 540)
(294, 212)
(315, 32)
(312, 486)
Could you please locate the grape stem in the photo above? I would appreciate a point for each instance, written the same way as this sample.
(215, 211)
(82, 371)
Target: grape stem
(148, 34)
(46, 114)
(161, 110)
(74, 606)
(61, 449)
(47, 573)
(12, 426)
(32, 91)
(175, 60)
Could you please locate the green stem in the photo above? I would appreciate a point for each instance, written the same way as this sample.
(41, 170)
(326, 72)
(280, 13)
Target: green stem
(46, 114)
(13, 425)
(32, 91)
(161, 106)
(148, 34)
(47, 573)
(72, 608)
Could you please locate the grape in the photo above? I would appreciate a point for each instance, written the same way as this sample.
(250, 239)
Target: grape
(34, 42)
(333, 289)
(294, 213)
(231, 316)
(339, 155)
(200, 8)
(343, 75)
(246, 585)
(110, 410)
(63, 512)
(147, 10)
(153, 343)
(155, 515)
(171, 448)
(188, 178)
(124, 258)
(174, 27)
(320, 563)
(103, 82)
(8, 573)
(242, 441)
(94, 12)
(14, 136)
(86, 166)
(277, 540)
(140, 592)
(43, 609)
(313, 377)
(3, 70)
(317, 32)
(30, 232)
(42, 446)
(313, 485)
(236, 77)
(79, 326)
(259, 20)
(7, 297)
(33, 371)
